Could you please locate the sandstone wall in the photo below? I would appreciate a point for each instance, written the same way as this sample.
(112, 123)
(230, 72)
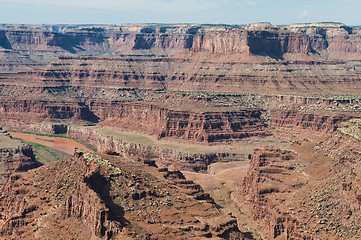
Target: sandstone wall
(279, 43)
(221, 42)
(163, 157)
(14, 157)
(196, 126)
(20, 159)
(211, 73)
(30, 111)
(313, 122)
(96, 40)
(333, 41)
(343, 146)
(262, 183)
(115, 198)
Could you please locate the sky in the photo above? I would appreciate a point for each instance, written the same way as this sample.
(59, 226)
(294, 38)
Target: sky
(278, 12)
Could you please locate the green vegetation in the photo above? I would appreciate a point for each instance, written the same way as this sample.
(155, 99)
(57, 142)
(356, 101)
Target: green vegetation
(45, 154)
(165, 144)
(46, 140)
(63, 135)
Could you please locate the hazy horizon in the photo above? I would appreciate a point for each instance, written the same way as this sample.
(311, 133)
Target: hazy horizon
(241, 12)
(165, 24)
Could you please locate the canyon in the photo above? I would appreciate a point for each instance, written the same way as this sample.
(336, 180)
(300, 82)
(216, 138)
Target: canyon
(201, 131)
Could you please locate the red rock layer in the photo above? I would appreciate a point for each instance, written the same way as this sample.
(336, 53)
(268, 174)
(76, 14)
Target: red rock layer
(20, 159)
(312, 122)
(89, 196)
(336, 41)
(343, 146)
(14, 157)
(260, 186)
(163, 157)
(197, 72)
(32, 110)
(151, 119)
(294, 59)
(294, 198)
(196, 126)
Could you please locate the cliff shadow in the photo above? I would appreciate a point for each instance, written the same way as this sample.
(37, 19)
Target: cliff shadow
(101, 185)
(264, 43)
(143, 42)
(88, 115)
(74, 42)
(4, 41)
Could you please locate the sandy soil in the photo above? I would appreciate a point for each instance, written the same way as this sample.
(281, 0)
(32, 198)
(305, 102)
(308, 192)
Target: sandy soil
(66, 145)
(223, 181)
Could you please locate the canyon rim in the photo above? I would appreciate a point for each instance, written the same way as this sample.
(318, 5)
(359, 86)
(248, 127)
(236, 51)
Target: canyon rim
(197, 131)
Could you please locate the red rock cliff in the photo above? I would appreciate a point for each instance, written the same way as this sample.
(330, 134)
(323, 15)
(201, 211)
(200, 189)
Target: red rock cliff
(163, 157)
(263, 183)
(14, 157)
(163, 122)
(89, 196)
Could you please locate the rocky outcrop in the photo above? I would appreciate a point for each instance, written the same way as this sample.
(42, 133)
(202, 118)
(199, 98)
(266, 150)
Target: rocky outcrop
(20, 159)
(264, 181)
(163, 157)
(213, 127)
(195, 123)
(294, 100)
(97, 40)
(196, 126)
(110, 199)
(14, 157)
(197, 72)
(37, 109)
(334, 205)
(106, 72)
(231, 41)
(194, 83)
(291, 197)
(152, 119)
(261, 59)
(313, 122)
(183, 83)
(313, 114)
(319, 40)
(343, 146)
(325, 41)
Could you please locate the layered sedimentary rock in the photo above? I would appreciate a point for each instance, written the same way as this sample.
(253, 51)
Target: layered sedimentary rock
(14, 157)
(99, 74)
(127, 39)
(343, 146)
(324, 40)
(292, 197)
(313, 114)
(269, 180)
(164, 157)
(161, 119)
(273, 41)
(184, 57)
(37, 109)
(110, 198)
(153, 120)
(314, 122)
(202, 118)
(191, 72)
(163, 122)
(206, 85)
